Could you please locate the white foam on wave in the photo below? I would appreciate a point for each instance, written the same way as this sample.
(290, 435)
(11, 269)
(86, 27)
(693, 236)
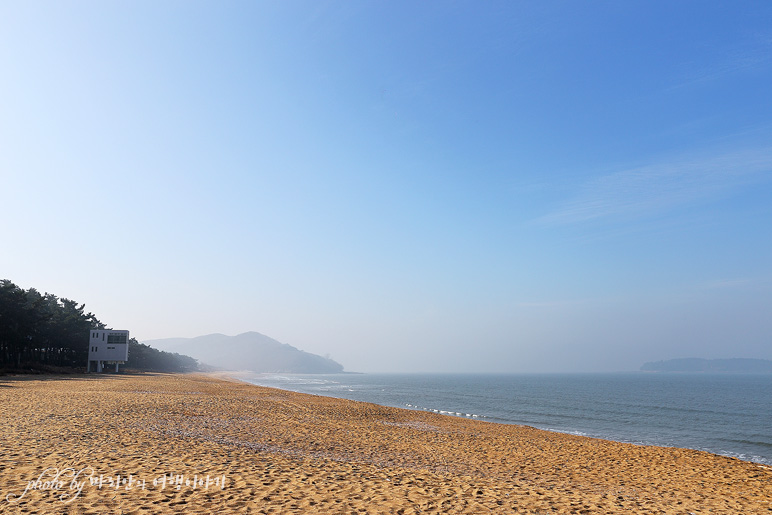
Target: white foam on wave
(444, 412)
(567, 432)
(745, 457)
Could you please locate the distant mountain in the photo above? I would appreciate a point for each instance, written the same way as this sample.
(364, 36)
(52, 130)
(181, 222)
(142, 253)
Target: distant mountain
(248, 351)
(737, 365)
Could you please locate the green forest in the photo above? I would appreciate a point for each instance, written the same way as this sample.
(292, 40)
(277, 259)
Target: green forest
(45, 333)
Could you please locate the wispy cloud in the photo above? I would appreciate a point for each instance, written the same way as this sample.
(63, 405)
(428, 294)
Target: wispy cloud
(754, 54)
(758, 282)
(658, 188)
(726, 283)
(565, 303)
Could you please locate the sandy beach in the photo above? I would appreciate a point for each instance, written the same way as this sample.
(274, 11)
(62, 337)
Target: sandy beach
(149, 444)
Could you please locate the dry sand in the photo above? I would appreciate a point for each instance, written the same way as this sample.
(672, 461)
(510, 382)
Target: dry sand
(231, 447)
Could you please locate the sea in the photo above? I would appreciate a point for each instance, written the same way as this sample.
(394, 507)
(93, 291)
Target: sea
(726, 414)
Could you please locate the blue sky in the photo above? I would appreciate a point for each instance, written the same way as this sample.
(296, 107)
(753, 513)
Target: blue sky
(436, 186)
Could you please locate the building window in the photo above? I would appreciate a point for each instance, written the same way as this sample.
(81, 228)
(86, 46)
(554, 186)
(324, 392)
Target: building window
(116, 338)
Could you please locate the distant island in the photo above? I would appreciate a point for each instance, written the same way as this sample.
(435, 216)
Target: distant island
(249, 351)
(736, 365)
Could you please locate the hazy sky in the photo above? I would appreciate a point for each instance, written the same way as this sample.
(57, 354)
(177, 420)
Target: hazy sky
(407, 186)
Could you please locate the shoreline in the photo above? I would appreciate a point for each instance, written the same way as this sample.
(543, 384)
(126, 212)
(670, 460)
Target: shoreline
(706, 444)
(276, 451)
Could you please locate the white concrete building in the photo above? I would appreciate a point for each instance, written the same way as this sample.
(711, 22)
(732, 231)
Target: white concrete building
(107, 347)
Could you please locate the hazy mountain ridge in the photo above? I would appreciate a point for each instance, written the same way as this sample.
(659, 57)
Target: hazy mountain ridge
(737, 365)
(248, 351)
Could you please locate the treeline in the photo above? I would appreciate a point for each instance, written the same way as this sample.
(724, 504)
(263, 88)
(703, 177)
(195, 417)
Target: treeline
(42, 329)
(144, 357)
(43, 332)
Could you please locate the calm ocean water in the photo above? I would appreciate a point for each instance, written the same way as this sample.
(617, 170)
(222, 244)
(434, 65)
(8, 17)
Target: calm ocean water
(722, 414)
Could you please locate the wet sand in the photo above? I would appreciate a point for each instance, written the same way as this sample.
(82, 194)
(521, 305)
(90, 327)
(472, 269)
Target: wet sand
(155, 444)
